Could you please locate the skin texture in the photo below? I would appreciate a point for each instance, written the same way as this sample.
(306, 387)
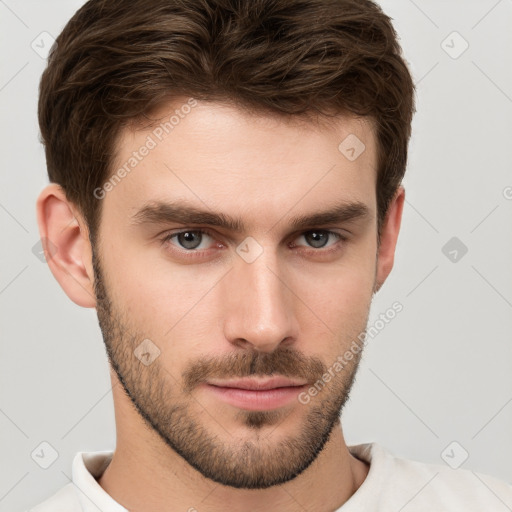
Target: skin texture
(292, 311)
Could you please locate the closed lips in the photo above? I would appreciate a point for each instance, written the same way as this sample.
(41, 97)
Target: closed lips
(252, 384)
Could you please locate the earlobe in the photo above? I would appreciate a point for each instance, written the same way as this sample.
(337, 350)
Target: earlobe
(65, 239)
(389, 237)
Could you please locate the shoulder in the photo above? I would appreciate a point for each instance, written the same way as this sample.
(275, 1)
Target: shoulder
(64, 500)
(415, 486)
(451, 489)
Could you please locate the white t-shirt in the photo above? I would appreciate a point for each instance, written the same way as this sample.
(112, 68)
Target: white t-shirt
(393, 484)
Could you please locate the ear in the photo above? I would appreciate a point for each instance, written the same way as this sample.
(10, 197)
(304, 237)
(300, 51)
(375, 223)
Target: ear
(65, 239)
(389, 237)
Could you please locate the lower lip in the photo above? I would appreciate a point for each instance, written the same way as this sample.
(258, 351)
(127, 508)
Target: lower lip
(257, 400)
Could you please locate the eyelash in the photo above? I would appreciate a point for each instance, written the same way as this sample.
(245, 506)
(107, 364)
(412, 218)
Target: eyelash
(199, 253)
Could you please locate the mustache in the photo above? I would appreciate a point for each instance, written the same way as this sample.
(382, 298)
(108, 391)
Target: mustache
(283, 361)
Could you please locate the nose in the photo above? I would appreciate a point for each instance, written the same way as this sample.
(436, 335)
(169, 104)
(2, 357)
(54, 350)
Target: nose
(259, 305)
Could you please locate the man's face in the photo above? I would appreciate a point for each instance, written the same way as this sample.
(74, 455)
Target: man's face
(275, 303)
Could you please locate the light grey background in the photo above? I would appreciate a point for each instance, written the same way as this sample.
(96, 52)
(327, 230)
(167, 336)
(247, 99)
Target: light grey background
(439, 372)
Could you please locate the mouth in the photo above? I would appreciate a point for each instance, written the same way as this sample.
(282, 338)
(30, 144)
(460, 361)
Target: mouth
(256, 394)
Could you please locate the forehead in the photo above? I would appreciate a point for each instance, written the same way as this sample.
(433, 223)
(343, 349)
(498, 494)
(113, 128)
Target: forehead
(220, 156)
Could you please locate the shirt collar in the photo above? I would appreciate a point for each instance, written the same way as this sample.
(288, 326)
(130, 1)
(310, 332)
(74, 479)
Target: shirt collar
(86, 468)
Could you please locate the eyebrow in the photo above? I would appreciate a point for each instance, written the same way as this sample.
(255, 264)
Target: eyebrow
(183, 213)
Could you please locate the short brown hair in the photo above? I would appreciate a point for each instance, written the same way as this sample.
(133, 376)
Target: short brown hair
(116, 60)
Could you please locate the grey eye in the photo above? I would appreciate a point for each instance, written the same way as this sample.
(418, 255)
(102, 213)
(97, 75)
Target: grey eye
(317, 239)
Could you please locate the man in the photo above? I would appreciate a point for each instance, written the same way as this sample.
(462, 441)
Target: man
(226, 192)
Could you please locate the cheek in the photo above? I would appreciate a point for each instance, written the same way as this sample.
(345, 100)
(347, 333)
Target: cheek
(338, 298)
(157, 297)
(346, 286)
(340, 307)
